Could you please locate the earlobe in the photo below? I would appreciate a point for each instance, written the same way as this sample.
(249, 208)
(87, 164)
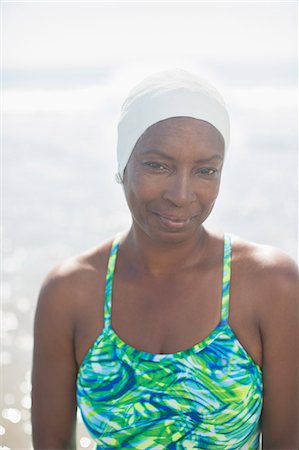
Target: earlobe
(124, 180)
(118, 178)
(124, 175)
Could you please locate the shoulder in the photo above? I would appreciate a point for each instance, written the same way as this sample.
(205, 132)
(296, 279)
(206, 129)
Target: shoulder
(269, 274)
(264, 261)
(71, 283)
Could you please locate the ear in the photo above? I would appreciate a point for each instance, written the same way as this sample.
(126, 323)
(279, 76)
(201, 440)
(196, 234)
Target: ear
(118, 178)
(125, 176)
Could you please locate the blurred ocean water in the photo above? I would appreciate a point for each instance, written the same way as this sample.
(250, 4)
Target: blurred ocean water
(60, 198)
(67, 67)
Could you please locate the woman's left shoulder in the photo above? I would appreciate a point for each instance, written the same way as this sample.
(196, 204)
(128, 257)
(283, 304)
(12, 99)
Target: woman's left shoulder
(271, 267)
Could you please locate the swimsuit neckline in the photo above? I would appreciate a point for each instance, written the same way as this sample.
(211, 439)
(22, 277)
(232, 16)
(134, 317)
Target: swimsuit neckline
(136, 353)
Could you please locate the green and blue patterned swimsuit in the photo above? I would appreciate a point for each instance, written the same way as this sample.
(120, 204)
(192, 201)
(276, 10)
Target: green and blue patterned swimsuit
(206, 397)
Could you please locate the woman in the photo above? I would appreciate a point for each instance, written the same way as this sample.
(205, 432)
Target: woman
(196, 348)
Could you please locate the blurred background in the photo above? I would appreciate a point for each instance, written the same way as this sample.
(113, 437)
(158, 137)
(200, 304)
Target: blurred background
(66, 69)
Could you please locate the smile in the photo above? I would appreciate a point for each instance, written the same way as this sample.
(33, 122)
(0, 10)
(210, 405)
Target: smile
(174, 222)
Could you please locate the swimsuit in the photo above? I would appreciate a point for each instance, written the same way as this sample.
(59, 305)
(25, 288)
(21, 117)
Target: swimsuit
(206, 397)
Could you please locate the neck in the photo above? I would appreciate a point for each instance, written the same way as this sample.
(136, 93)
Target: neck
(160, 258)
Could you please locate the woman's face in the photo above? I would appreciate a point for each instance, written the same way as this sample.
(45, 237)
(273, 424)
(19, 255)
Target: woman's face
(172, 178)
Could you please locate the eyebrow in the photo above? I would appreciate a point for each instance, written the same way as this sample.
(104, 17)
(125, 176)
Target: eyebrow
(169, 157)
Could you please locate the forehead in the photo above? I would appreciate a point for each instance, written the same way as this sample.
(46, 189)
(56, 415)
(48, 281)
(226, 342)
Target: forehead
(181, 132)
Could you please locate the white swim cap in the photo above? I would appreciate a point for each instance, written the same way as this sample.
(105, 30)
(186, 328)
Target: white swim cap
(166, 94)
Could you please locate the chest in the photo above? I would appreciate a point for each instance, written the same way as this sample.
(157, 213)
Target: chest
(166, 316)
(169, 316)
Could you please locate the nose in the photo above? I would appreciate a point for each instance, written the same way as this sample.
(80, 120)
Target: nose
(180, 189)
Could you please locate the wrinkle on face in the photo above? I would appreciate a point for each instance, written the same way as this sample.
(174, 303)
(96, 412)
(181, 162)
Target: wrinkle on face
(184, 146)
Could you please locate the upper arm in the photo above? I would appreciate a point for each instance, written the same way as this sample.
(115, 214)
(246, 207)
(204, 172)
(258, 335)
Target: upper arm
(54, 367)
(279, 330)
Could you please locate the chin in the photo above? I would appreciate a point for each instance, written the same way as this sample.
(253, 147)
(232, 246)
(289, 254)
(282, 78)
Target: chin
(173, 236)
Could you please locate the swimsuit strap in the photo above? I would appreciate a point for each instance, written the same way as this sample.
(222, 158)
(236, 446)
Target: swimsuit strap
(225, 279)
(227, 257)
(109, 280)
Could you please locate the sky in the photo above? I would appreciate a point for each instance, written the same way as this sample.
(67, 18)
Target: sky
(76, 61)
(75, 57)
(50, 35)
(44, 41)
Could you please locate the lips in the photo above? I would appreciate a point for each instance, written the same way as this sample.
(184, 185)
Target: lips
(174, 222)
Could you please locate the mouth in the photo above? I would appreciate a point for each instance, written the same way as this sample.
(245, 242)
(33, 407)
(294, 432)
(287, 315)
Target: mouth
(174, 222)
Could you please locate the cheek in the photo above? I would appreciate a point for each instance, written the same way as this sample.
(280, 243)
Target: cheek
(139, 185)
(215, 190)
(208, 192)
(138, 192)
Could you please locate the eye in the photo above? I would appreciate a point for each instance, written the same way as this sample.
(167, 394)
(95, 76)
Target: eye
(207, 171)
(158, 167)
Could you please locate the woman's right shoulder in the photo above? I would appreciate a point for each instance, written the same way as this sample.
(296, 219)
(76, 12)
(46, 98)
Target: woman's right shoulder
(71, 283)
